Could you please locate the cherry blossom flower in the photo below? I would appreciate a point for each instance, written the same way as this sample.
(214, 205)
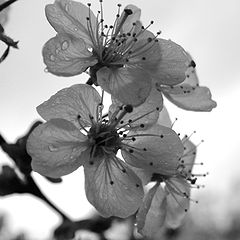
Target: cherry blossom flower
(78, 134)
(125, 58)
(167, 202)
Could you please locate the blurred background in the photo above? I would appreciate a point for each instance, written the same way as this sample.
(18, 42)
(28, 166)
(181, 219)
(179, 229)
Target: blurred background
(210, 32)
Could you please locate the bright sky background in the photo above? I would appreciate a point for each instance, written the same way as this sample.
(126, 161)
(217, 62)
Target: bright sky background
(208, 30)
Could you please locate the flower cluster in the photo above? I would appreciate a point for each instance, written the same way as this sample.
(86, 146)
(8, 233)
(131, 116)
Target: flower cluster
(128, 146)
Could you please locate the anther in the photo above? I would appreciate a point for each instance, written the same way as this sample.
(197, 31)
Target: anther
(192, 64)
(111, 182)
(137, 185)
(144, 149)
(89, 4)
(128, 11)
(161, 136)
(128, 108)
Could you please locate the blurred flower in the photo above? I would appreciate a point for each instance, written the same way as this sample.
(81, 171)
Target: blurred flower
(167, 202)
(125, 59)
(96, 224)
(77, 133)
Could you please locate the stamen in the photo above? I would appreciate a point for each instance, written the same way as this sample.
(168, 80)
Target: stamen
(79, 121)
(186, 137)
(138, 118)
(127, 12)
(126, 110)
(169, 188)
(174, 122)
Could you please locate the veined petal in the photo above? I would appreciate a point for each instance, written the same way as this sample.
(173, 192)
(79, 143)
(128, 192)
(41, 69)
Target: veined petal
(70, 17)
(190, 98)
(147, 113)
(191, 77)
(144, 174)
(145, 54)
(152, 212)
(128, 24)
(158, 148)
(128, 85)
(164, 118)
(177, 204)
(67, 56)
(173, 64)
(56, 147)
(112, 188)
(70, 103)
(188, 157)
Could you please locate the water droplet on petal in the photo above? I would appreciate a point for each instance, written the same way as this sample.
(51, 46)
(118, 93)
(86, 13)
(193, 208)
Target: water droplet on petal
(65, 45)
(76, 29)
(53, 148)
(52, 58)
(46, 70)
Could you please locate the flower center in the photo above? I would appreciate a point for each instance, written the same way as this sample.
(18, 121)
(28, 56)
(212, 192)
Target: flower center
(115, 48)
(103, 139)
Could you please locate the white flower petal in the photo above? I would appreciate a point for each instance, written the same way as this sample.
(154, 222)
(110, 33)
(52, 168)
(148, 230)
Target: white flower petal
(141, 114)
(66, 56)
(68, 16)
(190, 98)
(158, 148)
(144, 174)
(55, 148)
(177, 204)
(173, 64)
(164, 118)
(112, 190)
(69, 103)
(128, 85)
(152, 213)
